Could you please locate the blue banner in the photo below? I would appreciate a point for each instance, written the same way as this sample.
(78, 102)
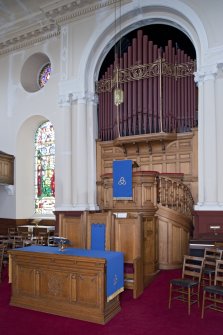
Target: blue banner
(122, 180)
(98, 236)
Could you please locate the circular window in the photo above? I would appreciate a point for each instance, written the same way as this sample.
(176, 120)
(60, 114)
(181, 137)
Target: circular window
(44, 75)
(35, 72)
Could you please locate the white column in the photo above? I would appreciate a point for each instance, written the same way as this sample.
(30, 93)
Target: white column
(79, 156)
(219, 134)
(63, 157)
(92, 131)
(200, 143)
(207, 143)
(63, 177)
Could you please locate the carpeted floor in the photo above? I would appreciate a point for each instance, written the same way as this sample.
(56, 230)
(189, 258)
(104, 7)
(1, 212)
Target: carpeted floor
(147, 315)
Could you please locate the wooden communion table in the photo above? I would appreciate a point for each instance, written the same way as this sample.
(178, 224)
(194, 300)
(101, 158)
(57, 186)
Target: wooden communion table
(77, 283)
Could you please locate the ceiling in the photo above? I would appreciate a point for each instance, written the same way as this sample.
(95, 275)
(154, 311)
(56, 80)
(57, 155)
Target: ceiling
(16, 14)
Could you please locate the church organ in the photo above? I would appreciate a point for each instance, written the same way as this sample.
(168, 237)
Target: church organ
(159, 91)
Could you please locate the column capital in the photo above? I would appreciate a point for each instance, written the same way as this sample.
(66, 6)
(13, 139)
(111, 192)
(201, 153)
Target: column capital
(65, 100)
(86, 97)
(66, 93)
(208, 72)
(70, 91)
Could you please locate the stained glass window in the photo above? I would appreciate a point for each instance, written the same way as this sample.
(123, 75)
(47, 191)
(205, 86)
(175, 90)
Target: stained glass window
(45, 169)
(44, 75)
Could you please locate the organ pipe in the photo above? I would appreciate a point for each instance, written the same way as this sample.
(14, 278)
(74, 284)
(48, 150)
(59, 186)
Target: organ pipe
(159, 91)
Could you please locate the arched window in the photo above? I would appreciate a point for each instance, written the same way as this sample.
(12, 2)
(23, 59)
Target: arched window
(45, 169)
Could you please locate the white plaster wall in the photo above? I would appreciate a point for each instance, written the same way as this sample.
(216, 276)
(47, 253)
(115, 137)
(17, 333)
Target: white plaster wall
(24, 177)
(210, 13)
(20, 113)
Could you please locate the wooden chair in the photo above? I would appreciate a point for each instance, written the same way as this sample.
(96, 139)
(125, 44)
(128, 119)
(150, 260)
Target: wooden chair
(211, 255)
(128, 239)
(213, 294)
(40, 236)
(22, 229)
(26, 237)
(17, 242)
(37, 230)
(187, 288)
(12, 231)
(218, 245)
(5, 244)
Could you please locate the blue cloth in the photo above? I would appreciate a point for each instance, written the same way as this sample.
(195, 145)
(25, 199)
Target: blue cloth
(98, 236)
(122, 180)
(114, 262)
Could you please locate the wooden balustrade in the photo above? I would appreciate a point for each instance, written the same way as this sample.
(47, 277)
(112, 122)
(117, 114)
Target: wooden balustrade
(149, 190)
(175, 195)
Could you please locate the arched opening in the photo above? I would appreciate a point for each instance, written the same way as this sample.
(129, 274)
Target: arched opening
(152, 71)
(25, 168)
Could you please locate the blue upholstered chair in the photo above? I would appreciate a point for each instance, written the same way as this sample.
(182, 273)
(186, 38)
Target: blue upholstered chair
(187, 288)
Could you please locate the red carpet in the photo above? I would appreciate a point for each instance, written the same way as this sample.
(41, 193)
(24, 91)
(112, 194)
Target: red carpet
(146, 315)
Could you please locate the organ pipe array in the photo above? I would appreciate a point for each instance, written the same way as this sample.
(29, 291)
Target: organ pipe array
(159, 92)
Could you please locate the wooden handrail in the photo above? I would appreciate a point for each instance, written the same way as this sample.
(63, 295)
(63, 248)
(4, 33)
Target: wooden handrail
(175, 195)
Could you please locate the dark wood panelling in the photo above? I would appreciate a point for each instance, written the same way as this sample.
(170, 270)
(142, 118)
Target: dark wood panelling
(208, 225)
(5, 224)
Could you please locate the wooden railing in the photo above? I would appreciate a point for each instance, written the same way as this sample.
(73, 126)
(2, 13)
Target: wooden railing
(175, 195)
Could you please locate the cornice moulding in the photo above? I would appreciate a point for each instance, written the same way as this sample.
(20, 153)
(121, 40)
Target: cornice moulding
(29, 38)
(52, 16)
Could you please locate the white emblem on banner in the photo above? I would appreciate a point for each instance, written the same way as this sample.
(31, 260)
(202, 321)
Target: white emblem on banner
(122, 181)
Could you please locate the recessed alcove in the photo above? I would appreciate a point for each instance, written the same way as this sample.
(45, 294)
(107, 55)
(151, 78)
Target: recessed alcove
(31, 71)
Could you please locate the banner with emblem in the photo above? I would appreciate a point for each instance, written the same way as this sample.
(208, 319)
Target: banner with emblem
(122, 180)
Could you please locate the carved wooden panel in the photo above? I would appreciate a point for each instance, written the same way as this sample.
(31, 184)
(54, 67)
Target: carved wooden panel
(174, 233)
(26, 274)
(150, 248)
(53, 284)
(144, 193)
(176, 156)
(90, 282)
(129, 240)
(73, 228)
(128, 237)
